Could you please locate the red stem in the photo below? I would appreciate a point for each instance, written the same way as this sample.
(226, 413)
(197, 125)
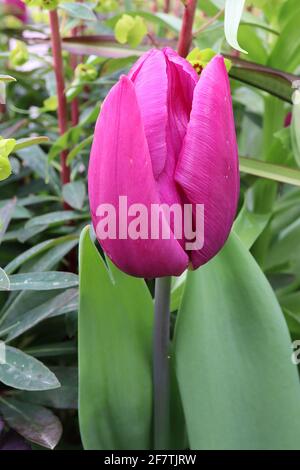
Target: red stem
(154, 6)
(186, 34)
(167, 6)
(60, 85)
(75, 101)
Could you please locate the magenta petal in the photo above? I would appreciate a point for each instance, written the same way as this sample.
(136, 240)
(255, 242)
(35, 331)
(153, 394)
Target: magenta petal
(149, 76)
(182, 80)
(120, 165)
(208, 166)
(19, 8)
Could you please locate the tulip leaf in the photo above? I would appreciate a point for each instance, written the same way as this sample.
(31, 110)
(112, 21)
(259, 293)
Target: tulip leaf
(239, 387)
(115, 338)
(249, 225)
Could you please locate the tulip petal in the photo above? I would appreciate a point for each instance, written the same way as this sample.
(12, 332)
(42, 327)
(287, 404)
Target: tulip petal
(149, 76)
(182, 80)
(120, 165)
(207, 169)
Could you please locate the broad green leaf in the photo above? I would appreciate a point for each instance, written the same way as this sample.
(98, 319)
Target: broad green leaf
(115, 343)
(35, 423)
(270, 171)
(233, 15)
(249, 225)
(239, 387)
(74, 194)
(79, 10)
(25, 372)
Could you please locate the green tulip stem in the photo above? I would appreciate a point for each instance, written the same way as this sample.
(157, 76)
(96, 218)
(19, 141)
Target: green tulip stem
(161, 362)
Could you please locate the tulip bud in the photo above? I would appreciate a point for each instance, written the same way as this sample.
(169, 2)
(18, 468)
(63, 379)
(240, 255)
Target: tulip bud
(163, 171)
(19, 55)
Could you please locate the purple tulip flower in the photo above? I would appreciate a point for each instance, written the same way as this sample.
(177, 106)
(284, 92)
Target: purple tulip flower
(166, 136)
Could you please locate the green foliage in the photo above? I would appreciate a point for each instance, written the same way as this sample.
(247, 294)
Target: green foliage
(231, 340)
(115, 340)
(19, 55)
(130, 30)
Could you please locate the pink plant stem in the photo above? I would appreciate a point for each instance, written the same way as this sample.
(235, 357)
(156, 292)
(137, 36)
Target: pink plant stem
(186, 34)
(154, 6)
(75, 101)
(177, 7)
(167, 6)
(60, 85)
